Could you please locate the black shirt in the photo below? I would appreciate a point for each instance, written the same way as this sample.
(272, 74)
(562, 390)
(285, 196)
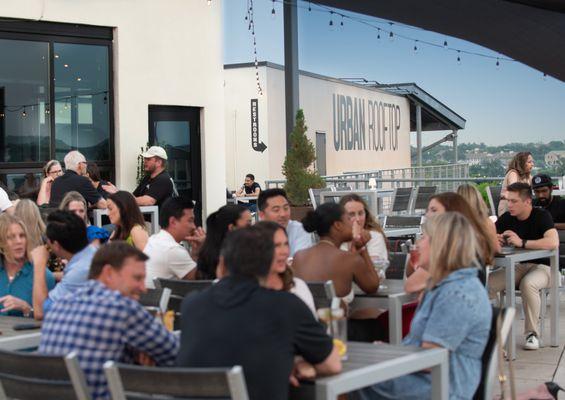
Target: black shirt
(556, 208)
(532, 228)
(70, 181)
(249, 190)
(237, 322)
(101, 190)
(160, 188)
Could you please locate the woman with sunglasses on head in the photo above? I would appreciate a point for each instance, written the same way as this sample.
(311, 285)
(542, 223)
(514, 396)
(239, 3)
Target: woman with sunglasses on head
(51, 171)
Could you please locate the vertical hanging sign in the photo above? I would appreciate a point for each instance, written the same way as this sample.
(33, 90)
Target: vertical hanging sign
(255, 143)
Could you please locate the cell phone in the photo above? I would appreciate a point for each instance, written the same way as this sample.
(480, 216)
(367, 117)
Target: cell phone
(27, 326)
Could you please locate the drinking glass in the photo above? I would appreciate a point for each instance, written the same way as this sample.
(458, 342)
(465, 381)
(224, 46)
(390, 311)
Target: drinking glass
(336, 323)
(381, 266)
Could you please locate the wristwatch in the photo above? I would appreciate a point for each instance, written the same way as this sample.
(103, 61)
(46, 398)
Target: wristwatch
(524, 243)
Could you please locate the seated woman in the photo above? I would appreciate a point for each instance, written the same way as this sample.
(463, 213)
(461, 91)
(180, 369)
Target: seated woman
(281, 276)
(16, 271)
(124, 213)
(75, 203)
(449, 201)
(218, 224)
(93, 173)
(27, 211)
(325, 261)
(51, 171)
(454, 313)
(358, 212)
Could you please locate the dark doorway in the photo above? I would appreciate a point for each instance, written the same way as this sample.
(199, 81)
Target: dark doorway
(177, 130)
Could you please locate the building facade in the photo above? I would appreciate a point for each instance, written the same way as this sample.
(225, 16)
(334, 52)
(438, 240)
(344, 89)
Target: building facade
(107, 77)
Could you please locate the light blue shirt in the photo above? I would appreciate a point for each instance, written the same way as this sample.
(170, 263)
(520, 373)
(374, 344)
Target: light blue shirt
(75, 276)
(455, 314)
(298, 238)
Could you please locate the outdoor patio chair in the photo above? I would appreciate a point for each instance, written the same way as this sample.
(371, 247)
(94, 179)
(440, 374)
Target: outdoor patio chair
(421, 198)
(136, 382)
(489, 370)
(156, 299)
(315, 196)
(31, 376)
(402, 221)
(401, 200)
(179, 289)
(323, 293)
(493, 195)
(397, 267)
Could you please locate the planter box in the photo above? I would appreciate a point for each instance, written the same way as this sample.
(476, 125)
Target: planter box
(299, 212)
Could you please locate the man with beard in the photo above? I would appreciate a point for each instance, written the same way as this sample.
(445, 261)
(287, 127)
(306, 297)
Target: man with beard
(543, 188)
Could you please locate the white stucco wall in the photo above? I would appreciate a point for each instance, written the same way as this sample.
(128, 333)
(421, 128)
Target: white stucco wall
(165, 53)
(316, 99)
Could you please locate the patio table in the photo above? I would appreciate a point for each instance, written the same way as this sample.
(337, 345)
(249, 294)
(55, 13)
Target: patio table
(17, 340)
(153, 211)
(390, 298)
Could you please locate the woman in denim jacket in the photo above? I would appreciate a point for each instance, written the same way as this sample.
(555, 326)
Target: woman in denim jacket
(454, 313)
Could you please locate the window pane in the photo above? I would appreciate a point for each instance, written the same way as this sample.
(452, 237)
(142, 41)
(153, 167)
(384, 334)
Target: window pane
(174, 137)
(25, 185)
(81, 108)
(24, 93)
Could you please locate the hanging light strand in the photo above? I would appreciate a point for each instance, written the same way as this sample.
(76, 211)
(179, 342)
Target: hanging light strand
(252, 29)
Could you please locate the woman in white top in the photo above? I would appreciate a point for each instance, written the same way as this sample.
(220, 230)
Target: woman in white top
(281, 276)
(358, 213)
(519, 170)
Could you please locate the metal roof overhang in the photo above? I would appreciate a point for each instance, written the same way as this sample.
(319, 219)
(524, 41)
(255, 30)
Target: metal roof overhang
(529, 31)
(436, 116)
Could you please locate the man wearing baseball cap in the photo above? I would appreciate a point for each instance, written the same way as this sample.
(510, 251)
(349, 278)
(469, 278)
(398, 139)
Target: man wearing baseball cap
(543, 188)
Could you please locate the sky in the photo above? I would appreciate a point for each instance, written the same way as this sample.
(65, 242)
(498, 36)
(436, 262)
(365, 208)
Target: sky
(511, 103)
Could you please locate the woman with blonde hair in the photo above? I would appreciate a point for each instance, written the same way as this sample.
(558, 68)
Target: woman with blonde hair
(28, 212)
(75, 203)
(51, 171)
(454, 313)
(519, 170)
(478, 205)
(16, 270)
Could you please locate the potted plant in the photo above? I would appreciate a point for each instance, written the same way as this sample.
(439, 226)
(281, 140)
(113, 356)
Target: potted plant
(298, 169)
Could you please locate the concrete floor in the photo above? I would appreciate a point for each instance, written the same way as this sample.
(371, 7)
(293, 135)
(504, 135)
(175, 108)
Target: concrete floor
(532, 368)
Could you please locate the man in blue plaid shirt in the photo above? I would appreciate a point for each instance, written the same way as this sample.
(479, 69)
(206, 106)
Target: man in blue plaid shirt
(103, 321)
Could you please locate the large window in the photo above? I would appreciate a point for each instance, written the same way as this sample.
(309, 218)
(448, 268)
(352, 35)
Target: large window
(55, 96)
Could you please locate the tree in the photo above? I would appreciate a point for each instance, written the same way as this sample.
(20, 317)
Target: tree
(297, 166)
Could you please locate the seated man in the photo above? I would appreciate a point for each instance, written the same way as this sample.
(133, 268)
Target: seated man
(250, 188)
(273, 206)
(103, 321)
(525, 227)
(167, 257)
(543, 188)
(66, 237)
(73, 180)
(238, 322)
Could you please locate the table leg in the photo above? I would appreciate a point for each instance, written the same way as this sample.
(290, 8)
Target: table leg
(97, 219)
(511, 302)
(394, 320)
(554, 291)
(440, 379)
(154, 222)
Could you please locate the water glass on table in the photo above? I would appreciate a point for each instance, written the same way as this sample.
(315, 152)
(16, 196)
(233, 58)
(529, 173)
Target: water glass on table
(336, 322)
(381, 265)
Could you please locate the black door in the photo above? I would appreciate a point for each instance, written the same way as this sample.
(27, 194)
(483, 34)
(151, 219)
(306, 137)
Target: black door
(177, 130)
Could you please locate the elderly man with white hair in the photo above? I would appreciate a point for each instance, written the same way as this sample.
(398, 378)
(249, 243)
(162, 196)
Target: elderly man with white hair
(73, 179)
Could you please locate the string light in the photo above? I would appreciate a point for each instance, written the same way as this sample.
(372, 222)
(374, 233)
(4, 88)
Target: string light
(252, 28)
(310, 6)
(415, 46)
(445, 44)
(331, 19)
(379, 34)
(544, 76)
(497, 63)
(273, 12)
(458, 57)
(391, 36)
(24, 114)
(341, 23)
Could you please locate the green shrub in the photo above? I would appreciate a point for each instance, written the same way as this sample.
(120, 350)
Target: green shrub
(297, 166)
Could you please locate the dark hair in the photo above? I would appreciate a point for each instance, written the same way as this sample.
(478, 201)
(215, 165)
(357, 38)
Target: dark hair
(93, 171)
(67, 229)
(217, 225)
(269, 229)
(174, 207)
(322, 218)
(114, 254)
(130, 215)
(250, 176)
(266, 195)
(247, 252)
(523, 189)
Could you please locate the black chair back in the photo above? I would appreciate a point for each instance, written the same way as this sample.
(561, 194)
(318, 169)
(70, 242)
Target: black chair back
(136, 382)
(402, 221)
(397, 265)
(401, 200)
(322, 292)
(179, 289)
(31, 376)
(422, 197)
(493, 195)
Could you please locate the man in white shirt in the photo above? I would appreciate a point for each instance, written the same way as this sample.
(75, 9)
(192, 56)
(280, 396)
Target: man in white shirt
(273, 206)
(167, 257)
(5, 203)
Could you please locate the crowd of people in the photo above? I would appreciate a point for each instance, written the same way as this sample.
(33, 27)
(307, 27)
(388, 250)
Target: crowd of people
(84, 282)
